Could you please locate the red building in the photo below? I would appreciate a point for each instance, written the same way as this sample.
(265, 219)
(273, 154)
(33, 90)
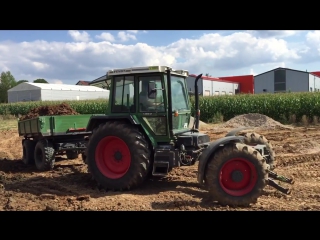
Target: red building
(246, 82)
(316, 73)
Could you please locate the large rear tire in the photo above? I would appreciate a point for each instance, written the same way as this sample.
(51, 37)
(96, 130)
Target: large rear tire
(118, 156)
(28, 147)
(236, 175)
(253, 139)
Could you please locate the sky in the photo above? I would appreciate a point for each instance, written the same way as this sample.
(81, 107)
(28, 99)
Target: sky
(65, 57)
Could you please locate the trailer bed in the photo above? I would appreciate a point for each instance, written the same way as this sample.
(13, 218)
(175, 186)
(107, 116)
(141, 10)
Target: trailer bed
(48, 126)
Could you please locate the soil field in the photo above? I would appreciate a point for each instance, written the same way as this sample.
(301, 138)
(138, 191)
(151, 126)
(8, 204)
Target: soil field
(69, 187)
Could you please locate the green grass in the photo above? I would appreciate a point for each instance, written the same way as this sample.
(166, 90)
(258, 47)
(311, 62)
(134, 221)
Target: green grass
(284, 107)
(8, 122)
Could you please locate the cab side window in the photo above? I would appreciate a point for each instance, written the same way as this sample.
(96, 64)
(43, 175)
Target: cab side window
(123, 98)
(151, 100)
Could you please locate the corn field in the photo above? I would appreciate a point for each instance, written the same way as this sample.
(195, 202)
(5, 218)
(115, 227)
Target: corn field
(279, 106)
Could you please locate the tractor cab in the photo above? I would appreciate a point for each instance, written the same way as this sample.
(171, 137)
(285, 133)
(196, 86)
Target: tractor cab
(155, 96)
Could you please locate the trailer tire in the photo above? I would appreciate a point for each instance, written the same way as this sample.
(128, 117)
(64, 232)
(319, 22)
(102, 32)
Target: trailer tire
(28, 147)
(253, 138)
(44, 155)
(236, 175)
(71, 154)
(118, 156)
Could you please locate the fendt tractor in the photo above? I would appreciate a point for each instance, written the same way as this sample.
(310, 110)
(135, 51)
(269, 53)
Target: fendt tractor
(145, 132)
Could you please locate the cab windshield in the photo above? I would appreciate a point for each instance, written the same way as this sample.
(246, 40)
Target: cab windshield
(178, 93)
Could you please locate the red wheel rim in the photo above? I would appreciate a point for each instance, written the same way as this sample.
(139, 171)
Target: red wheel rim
(113, 157)
(238, 177)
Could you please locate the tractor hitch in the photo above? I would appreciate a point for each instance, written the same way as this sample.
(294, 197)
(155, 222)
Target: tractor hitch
(278, 187)
(281, 178)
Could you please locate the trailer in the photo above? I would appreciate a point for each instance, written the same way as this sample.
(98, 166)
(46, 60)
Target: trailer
(47, 137)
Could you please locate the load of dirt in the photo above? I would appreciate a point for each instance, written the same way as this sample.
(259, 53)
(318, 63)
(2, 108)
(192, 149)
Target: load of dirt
(254, 120)
(59, 109)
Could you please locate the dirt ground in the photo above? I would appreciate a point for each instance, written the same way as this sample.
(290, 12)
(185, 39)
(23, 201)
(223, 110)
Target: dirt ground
(69, 187)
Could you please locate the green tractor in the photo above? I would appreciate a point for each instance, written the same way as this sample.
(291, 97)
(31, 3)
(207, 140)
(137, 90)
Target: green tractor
(145, 132)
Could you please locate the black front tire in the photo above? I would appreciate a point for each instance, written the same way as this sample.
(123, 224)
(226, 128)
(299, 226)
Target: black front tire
(214, 172)
(44, 155)
(138, 147)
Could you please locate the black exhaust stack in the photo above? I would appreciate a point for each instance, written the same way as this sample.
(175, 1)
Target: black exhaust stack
(170, 118)
(196, 98)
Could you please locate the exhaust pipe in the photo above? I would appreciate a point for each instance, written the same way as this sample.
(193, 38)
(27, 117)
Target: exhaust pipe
(170, 117)
(196, 95)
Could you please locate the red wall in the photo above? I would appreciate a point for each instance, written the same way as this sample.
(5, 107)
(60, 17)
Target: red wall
(246, 82)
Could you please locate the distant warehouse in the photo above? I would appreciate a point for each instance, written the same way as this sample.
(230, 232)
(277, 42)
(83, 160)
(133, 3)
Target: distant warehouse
(285, 80)
(25, 92)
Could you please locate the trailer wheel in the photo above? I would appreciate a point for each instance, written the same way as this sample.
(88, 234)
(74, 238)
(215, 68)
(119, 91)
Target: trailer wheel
(44, 155)
(118, 156)
(28, 147)
(236, 175)
(253, 139)
(71, 154)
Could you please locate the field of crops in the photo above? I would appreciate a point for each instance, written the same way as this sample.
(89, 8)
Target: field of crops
(280, 107)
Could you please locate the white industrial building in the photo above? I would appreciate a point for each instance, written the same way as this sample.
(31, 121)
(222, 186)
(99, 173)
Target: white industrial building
(210, 86)
(285, 80)
(54, 92)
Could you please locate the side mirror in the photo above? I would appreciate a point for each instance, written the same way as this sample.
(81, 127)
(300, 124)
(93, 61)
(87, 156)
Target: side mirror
(152, 90)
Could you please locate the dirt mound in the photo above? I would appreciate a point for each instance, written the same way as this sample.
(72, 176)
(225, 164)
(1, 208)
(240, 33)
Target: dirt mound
(254, 120)
(202, 125)
(60, 109)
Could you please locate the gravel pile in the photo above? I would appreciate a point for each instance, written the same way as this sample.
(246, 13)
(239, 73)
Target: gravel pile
(254, 120)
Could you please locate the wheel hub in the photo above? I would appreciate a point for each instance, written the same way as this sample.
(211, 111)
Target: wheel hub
(113, 157)
(117, 156)
(237, 176)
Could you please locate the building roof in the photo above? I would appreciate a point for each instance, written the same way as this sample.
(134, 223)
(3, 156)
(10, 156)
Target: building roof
(215, 79)
(58, 87)
(83, 82)
(312, 73)
(317, 73)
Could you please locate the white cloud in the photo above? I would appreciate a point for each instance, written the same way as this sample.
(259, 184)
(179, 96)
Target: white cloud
(106, 37)
(213, 53)
(133, 31)
(273, 33)
(123, 36)
(79, 36)
(235, 51)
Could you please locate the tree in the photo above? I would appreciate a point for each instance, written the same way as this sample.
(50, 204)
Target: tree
(7, 81)
(40, 80)
(22, 81)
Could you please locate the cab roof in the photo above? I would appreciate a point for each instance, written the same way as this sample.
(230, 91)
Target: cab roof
(147, 69)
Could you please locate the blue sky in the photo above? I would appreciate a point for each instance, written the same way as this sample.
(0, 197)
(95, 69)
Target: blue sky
(69, 56)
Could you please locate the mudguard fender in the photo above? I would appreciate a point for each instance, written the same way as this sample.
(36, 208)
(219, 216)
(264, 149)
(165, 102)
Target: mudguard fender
(235, 131)
(209, 151)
